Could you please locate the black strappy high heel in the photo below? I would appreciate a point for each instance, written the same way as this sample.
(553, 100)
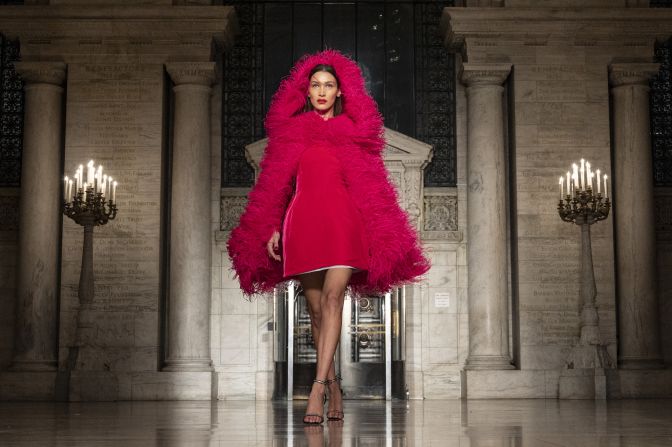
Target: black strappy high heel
(338, 413)
(321, 416)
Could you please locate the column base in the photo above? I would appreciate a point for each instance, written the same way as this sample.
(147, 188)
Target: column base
(582, 383)
(28, 385)
(640, 363)
(33, 366)
(639, 383)
(488, 362)
(188, 365)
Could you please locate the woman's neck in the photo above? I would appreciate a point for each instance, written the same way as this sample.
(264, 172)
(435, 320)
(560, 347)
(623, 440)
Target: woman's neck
(325, 116)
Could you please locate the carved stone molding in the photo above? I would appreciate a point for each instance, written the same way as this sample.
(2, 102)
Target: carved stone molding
(440, 213)
(231, 207)
(201, 73)
(95, 33)
(41, 72)
(484, 74)
(632, 74)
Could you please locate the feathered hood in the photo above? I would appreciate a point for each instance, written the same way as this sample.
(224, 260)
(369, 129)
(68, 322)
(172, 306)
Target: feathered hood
(360, 117)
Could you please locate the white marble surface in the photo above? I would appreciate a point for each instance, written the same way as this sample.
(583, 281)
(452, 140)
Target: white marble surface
(35, 345)
(463, 423)
(639, 344)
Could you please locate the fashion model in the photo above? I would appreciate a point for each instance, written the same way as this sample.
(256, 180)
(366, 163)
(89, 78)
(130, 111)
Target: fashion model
(323, 210)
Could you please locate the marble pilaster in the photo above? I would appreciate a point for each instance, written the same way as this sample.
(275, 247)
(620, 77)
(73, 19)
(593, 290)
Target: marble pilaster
(35, 345)
(639, 330)
(188, 332)
(486, 217)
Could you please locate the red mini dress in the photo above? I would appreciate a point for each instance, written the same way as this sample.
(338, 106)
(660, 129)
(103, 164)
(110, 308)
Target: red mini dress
(322, 228)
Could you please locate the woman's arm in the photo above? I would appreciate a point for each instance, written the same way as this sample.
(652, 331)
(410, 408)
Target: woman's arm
(267, 201)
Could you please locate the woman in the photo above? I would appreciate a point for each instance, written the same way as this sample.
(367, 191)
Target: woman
(344, 228)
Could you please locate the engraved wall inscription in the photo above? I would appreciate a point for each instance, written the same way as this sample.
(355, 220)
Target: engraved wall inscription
(114, 116)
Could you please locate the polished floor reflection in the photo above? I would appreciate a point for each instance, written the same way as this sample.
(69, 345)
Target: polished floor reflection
(473, 423)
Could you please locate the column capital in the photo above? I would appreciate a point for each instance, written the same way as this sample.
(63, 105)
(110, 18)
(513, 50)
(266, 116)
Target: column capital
(632, 73)
(484, 74)
(201, 73)
(41, 72)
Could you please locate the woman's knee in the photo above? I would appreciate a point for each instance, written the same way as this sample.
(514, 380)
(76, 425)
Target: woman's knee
(315, 317)
(333, 298)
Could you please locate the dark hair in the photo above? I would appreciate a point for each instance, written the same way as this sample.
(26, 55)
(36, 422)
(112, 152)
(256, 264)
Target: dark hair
(338, 104)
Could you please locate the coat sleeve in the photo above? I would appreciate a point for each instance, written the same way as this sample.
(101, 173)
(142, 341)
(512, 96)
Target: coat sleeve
(396, 256)
(257, 272)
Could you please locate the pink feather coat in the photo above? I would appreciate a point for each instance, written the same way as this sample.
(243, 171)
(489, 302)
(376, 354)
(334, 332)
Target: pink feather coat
(356, 137)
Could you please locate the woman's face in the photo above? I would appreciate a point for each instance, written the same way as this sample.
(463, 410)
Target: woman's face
(323, 91)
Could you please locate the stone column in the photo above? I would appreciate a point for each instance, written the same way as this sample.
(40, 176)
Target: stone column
(486, 217)
(638, 325)
(188, 332)
(35, 344)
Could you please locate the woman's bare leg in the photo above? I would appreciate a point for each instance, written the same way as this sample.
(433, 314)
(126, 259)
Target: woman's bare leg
(331, 302)
(312, 290)
(312, 284)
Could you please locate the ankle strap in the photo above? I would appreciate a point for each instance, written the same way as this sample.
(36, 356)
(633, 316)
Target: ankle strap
(338, 378)
(323, 382)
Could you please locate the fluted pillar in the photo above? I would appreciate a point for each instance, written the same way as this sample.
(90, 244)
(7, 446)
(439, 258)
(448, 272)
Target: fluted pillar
(188, 332)
(638, 325)
(35, 343)
(486, 217)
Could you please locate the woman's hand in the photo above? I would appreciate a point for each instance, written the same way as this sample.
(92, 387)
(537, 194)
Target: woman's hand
(272, 245)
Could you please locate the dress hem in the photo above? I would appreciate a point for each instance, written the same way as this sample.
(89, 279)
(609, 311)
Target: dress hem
(355, 270)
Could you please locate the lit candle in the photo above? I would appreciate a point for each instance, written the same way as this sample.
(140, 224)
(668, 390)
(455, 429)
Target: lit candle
(89, 174)
(114, 192)
(606, 194)
(575, 175)
(104, 186)
(581, 178)
(65, 188)
(109, 186)
(100, 177)
(69, 190)
(561, 190)
(589, 175)
(583, 173)
(598, 181)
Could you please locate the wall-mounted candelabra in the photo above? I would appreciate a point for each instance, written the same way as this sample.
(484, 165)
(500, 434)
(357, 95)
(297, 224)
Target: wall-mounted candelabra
(89, 204)
(585, 201)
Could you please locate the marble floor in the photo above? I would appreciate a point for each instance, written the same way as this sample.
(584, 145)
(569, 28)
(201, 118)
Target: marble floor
(473, 423)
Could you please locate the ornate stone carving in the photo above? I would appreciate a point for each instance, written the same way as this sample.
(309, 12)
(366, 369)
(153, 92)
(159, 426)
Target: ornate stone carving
(440, 213)
(231, 208)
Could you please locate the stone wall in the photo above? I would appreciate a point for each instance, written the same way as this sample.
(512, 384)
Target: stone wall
(115, 58)
(560, 113)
